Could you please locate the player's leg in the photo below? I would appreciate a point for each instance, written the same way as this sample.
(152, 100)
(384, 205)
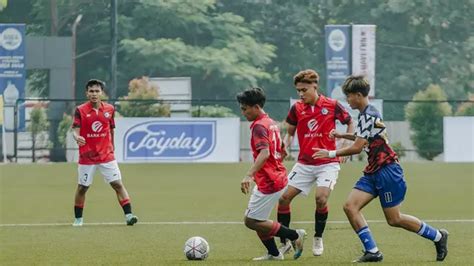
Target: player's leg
(392, 193)
(112, 175)
(256, 218)
(363, 193)
(284, 214)
(300, 180)
(326, 179)
(84, 180)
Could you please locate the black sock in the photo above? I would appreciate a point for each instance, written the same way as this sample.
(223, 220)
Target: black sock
(284, 219)
(127, 208)
(320, 218)
(271, 246)
(78, 211)
(285, 232)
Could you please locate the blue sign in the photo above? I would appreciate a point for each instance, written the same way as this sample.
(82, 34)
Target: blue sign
(173, 140)
(338, 65)
(12, 72)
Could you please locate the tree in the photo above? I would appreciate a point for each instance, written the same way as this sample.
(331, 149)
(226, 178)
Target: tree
(466, 108)
(38, 123)
(141, 100)
(212, 111)
(425, 115)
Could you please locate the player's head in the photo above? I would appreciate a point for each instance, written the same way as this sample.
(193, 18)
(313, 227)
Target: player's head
(94, 90)
(306, 84)
(356, 89)
(251, 102)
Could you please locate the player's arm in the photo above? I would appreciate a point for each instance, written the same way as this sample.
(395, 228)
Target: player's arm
(348, 135)
(76, 129)
(256, 166)
(112, 138)
(76, 134)
(355, 148)
(287, 139)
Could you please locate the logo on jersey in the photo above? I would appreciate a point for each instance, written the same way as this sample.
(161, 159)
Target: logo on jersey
(313, 125)
(97, 126)
(324, 111)
(107, 114)
(174, 140)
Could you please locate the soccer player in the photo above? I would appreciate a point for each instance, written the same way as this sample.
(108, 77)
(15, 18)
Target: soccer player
(383, 176)
(94, 133)
(312, 117)
(269, 174)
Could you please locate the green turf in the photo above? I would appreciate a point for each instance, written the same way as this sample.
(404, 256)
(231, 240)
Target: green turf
(35, 194)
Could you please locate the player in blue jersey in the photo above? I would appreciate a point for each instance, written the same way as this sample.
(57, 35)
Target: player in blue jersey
(383, 176)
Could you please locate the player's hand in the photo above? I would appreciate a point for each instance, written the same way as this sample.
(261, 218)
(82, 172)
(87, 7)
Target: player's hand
(80, 140)
(334, 134)
(343, 159)
(320, 153)
(283, 152)
(245, 184)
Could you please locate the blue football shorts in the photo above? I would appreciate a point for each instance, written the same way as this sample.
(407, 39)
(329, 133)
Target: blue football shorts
(387, 183)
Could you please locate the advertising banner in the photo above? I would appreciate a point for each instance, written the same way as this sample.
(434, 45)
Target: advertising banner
(363, 53)
(12, 73)
(337, 58)
(177, 140)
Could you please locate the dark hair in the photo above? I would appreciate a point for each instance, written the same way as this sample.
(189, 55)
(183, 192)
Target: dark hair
(94, 82)
(355, 84)
(306, 76)
(252, 96)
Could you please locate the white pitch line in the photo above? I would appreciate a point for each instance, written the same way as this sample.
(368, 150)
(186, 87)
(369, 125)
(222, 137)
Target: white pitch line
(217, 223)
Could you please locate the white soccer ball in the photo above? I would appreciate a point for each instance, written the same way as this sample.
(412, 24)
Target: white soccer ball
(196, 248)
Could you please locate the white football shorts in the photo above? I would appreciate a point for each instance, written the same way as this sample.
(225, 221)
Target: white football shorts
(261, 205)
(304, 177)
(110, 171)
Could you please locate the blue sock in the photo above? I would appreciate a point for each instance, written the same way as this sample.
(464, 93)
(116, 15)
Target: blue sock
(427, 231)
(367, 239)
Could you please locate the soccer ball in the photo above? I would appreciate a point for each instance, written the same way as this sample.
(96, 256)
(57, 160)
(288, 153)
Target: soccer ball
(196, 248)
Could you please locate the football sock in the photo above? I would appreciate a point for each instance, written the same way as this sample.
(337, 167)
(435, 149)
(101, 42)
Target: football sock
(367, 240)
(428, 232)
(320, 218)
(127, 208)
(284, 232)
(284, 218)
(78, 210)
(271, 246)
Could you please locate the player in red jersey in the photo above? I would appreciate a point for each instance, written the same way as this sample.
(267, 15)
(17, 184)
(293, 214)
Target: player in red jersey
(94, 133)
(313, 117)
(269, 174)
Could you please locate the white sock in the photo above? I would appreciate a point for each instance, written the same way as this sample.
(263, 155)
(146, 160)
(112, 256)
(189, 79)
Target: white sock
(438, 236)
(373, 250)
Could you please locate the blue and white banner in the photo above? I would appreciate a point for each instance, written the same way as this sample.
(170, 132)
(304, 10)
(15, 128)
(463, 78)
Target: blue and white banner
(363, 53)
(338, 63)
(177, 140)
(12, 73)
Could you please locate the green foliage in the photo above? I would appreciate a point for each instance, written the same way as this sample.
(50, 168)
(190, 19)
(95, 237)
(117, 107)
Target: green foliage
(212, 111)
(467, 108)
(38, 120)
(136, 105)
(426, 121)
(399, 149)
(63, 128)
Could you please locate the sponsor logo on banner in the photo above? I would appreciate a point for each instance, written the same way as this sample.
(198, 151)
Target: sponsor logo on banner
(176, 140)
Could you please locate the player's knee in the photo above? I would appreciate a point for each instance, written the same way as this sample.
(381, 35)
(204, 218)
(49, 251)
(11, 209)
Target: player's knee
(284, 200)
(349, 208)
(321, 201)
(394, 221)
(82, 189)
(117, 186)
